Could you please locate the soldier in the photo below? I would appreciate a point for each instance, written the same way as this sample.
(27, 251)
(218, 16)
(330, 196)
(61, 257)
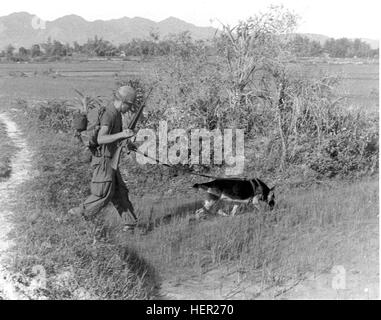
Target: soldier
(107, 184)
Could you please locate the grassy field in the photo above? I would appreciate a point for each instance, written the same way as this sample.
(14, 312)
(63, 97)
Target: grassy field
(360, 82)
(311, 230)
(57, 80)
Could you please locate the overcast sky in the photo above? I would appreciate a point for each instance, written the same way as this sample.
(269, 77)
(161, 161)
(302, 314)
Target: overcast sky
(335, 18)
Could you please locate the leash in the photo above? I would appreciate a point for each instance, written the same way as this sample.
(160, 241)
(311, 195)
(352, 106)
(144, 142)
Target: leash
(172, 167)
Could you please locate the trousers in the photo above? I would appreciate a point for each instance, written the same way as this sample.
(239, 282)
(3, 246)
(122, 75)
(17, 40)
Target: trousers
(107, 186)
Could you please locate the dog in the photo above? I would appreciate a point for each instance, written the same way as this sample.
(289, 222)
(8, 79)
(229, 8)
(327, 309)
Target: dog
(234, 190)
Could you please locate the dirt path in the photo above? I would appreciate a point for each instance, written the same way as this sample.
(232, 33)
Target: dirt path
(21, 165)
(217, 284)
(356, 277)
(361, 282)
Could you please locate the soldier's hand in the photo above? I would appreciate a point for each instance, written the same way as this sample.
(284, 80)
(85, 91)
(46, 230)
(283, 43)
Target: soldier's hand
(128, 133)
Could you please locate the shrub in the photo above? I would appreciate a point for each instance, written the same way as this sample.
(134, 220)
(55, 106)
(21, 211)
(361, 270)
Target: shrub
(289, 120)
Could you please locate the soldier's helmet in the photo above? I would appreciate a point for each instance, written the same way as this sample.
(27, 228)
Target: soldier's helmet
(126, 94)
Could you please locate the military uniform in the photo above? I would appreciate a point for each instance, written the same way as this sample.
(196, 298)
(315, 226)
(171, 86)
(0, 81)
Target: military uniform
(107, 184)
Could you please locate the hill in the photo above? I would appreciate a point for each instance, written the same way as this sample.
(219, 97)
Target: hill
(24, 29)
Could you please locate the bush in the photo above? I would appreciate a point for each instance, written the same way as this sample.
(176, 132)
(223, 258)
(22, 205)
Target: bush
(289, 120)
(349, 152)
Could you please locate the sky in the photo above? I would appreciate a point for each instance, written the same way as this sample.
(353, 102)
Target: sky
(334, 18)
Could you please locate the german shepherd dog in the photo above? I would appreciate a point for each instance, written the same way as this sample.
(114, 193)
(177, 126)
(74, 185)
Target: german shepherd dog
(237, 191)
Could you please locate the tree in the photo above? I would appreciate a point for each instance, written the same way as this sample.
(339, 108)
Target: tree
(48, 47)
(182, 44)
(9, 51)
(361, 49)
(154, 35)
(68, 49)
(263, 89)
(23, 53)
(35, 51)
(77, 47)
(228, 91)
(99, 47)
(315, 49)
(304, 47)
(329, 46)
(253, 45)
(345, 48)
(58, 49)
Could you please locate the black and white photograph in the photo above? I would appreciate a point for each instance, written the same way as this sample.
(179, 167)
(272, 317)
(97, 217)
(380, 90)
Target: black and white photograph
(201, 151)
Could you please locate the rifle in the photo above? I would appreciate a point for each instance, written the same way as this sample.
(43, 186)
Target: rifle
(116, 157)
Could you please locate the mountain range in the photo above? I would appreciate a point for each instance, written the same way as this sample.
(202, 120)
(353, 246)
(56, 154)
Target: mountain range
(25, 29)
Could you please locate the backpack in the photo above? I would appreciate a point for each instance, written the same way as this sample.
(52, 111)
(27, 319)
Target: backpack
(87, 124)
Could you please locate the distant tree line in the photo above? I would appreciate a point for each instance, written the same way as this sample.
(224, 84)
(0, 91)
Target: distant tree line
(98, 47)
(336, 48)
(299, 45)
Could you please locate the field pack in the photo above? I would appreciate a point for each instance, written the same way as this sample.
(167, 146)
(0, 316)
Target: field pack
(86, 123)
